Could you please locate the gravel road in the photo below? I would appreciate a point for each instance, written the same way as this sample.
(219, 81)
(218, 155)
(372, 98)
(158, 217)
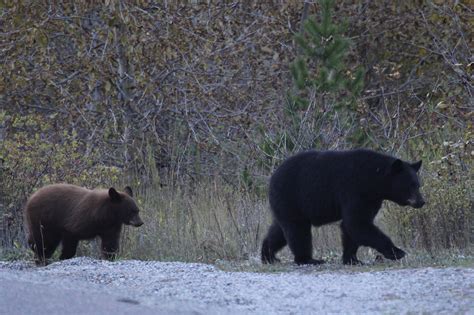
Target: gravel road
(82, 284)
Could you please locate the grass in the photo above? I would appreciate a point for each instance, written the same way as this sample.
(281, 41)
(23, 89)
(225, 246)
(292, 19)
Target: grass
(416, 259)
(207, 223)
(215, 222)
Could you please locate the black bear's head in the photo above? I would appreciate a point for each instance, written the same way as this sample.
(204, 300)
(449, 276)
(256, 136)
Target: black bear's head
(404, 185)
(125, 206)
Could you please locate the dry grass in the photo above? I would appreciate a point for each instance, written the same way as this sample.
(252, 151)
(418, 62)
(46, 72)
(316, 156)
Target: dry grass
(215, 222)
(204, 223)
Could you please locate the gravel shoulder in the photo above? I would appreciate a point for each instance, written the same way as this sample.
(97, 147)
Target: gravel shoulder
(129, 286)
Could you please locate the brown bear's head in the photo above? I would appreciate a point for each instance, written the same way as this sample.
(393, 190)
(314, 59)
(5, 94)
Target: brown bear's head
(126, 206)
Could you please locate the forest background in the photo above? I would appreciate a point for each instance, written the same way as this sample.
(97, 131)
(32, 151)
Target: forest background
(194, 104)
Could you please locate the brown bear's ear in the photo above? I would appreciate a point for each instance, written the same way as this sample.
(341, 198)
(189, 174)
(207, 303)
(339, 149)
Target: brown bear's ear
(397, 166)
(114, 195)
(416, 166)
(128, 191)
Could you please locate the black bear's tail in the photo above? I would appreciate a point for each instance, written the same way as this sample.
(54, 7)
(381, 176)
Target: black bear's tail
(273, 242)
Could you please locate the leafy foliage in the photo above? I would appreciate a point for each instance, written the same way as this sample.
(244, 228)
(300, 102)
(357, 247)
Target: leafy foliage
(166, 95)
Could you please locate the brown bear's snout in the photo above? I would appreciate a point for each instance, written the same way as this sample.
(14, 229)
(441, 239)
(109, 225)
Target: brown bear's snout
(136, 221)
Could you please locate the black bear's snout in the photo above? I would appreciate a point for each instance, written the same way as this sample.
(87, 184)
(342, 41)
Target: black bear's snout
(416, 200)
(416, 203)
(419, 203)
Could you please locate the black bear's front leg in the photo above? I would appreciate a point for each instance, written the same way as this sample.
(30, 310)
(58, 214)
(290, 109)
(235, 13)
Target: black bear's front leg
(298, 236)
(349, 247)
(367, 234)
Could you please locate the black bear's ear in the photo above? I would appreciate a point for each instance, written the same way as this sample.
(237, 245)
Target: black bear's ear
(113, 194)
(128, 191)
(416, 166)
(397, 166)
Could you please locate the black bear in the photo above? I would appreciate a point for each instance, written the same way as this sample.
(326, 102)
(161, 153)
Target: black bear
(65, 214)
(314, 188)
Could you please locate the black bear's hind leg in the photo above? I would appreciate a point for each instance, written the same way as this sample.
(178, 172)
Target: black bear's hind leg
(69, 245)
(298, 235)
(273, 242)
(349, 247)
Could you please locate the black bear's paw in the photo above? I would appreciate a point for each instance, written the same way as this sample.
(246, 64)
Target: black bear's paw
(270, 259)
(351, 261)
(309, 261)
(394, 253)
(41, 262)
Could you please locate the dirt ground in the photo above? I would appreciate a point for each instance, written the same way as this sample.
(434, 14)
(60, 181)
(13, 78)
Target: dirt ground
(128, 286)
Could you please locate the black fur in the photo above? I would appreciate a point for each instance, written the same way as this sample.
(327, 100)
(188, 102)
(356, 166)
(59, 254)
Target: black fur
(314, 188)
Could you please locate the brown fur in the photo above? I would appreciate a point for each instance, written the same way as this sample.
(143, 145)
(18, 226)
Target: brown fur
(63, 213)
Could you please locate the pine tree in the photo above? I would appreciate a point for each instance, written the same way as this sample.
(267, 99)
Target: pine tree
(321, 65)
(325, 88)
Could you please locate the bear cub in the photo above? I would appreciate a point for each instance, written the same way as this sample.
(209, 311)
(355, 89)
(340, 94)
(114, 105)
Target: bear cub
(66, 214)
(314, 188)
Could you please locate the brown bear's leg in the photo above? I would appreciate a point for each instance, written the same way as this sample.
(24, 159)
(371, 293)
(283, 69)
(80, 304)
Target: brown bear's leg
(110, 244)
(51, 242)
(31, 242)
(69, 245)
(44, 243)
(36, 245)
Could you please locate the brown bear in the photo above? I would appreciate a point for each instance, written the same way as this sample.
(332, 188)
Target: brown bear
(66, 214)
